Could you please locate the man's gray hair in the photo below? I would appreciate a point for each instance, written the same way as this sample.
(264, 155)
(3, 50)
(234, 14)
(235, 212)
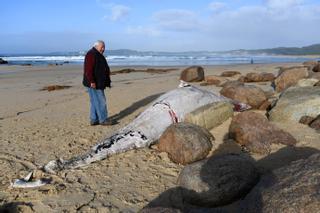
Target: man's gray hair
(98, 42)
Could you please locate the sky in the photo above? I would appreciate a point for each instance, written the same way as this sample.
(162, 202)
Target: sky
(41, 26)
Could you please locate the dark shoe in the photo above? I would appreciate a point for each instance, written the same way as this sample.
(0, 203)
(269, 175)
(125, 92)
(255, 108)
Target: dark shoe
(94, 123)
(108, 122)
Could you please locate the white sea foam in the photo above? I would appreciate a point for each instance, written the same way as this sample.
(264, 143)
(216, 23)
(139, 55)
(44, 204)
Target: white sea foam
(159, 60)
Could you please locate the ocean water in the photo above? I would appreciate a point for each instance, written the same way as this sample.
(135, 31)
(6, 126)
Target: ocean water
(156, 60)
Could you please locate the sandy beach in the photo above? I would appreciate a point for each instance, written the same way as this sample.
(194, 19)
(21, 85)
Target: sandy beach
(37, 126)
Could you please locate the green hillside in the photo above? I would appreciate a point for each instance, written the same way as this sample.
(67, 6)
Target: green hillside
(308, 50)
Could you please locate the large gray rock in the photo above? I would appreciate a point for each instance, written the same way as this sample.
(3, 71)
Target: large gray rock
(315, 124)
(307, 82)
(210, 115)
(316, 68)
(192, 74)
(3, 61)
(185, 142)
(251, 95)
(315, 75)
(293, 188)
(217, 181)
(289, 77)
(256, 133)
(295, 103)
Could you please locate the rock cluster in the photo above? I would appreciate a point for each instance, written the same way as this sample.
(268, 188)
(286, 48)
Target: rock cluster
(227, 182)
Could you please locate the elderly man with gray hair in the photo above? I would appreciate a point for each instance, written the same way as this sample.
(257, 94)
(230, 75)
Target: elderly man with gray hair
(96, 78)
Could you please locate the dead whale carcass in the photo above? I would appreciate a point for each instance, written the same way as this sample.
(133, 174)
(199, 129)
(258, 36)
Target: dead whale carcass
(147, 127)
(169, 108)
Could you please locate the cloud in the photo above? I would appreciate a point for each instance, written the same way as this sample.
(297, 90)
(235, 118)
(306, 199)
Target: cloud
(143, 30)
(275, 23)
(283, 4)
(217, 6)
(176, 20)
(268, 24)
(119, 12)
(115, 12)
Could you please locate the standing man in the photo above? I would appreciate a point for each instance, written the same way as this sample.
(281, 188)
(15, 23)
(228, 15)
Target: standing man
(96, 78)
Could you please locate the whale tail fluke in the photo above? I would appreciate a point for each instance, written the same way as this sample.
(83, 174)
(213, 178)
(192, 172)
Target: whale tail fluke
(28, 182)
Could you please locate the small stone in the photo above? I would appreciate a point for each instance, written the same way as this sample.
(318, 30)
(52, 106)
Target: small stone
(192, 74)
(230, 73)
(306, 120)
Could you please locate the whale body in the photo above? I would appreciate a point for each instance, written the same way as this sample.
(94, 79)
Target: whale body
(169, 108)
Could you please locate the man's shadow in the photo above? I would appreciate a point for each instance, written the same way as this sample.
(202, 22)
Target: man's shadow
(14, 207)
(174, 199)
(133, 107)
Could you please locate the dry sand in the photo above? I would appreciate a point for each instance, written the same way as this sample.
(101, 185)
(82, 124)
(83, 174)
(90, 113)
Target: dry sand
(38, 126)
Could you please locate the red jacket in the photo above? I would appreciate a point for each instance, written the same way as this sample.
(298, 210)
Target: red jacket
(96, 70)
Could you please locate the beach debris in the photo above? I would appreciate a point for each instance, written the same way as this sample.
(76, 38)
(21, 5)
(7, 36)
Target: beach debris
(249, 94)
(218, 180)
(28, 182)
(192, 74)
(296, 102)
(256, 133)
(292, 188)
(289, 77)
(230, 73)
(54, 87)
(185, 142)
